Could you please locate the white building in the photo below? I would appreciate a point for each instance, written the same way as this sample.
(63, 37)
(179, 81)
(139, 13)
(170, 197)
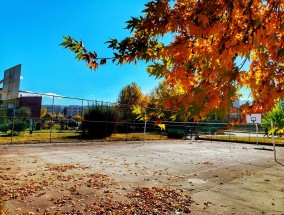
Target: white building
(72, 110)
(54, 108)
(69, 110)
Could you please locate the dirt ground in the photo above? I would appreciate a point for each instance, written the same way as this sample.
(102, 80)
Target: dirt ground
(159, 177)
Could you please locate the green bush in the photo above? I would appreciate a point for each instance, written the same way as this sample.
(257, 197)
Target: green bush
(209, 129)
(72, 124)
(3, 119)
(176, 133)
(18, 126)
(99, 121)
(4, 127)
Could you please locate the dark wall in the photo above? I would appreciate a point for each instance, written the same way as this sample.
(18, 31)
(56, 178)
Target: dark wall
(34, 103)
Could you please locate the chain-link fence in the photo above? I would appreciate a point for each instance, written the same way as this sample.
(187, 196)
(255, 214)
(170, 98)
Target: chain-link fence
(60, 119)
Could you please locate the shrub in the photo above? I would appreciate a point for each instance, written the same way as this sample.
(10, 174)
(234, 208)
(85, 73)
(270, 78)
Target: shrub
(18, 126)
(176, 133)
(72, 124)
(37, 126)
(43, 124)
(50, 124)
(4, 127)
(3, 119)
(209, 129)
(277, 116)
(99, 121)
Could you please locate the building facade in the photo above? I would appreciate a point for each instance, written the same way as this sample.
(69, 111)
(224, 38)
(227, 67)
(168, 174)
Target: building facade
(70, 110)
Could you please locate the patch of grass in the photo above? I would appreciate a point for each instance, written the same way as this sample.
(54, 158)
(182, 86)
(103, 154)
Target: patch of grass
(26, 137)
(247, 139)
(43, 136)
(136, 137)
(176, 133)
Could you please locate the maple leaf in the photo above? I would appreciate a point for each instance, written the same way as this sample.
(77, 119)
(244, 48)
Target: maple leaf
(162, 126)
(203, 19)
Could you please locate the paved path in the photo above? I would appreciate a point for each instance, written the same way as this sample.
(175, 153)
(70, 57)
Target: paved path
(222, 178)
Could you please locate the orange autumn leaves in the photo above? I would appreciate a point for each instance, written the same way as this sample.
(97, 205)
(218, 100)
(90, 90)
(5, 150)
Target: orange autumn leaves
(211, 41)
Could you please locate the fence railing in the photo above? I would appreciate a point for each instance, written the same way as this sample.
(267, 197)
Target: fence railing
(60, 127)
(17, 130)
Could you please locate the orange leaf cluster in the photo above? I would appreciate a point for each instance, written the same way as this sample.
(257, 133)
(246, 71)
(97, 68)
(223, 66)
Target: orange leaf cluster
(151, 200)
(99, 181)
(64, 168)
(210, 39)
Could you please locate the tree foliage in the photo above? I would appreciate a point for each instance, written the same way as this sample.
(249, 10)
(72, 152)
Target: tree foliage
(43, 112)
(130, 96)
(3, 116)
(100, 121)
(277, 116)
(17, 126)
(4, 127)
(211, 41)
(173, 108)
(23, 113)
(78, 117)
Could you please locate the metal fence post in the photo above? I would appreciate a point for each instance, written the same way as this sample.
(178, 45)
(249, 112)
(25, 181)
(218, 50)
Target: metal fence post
(256, 127)
(212, 128)
(145, 124)
(107, 110)
(126, 129)
(249, 134)
(51, 119)
(13, 121)
(273, 141)
(229, 132)
(82, 119)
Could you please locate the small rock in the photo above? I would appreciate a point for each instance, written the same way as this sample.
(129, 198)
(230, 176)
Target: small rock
(187, 210)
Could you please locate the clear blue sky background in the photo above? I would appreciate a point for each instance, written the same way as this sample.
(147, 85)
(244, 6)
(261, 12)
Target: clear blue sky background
(30, 34)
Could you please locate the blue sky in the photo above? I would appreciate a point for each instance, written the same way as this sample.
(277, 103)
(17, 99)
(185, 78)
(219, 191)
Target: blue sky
(31, 31)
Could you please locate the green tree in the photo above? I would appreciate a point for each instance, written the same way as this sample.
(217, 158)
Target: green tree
(23, 113)
(3, 116)
(129, 97)
(277, 116)
(167, 100)
(4, 127)
(99, 121)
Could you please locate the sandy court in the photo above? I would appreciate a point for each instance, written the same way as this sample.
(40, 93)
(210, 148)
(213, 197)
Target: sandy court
(221, 178)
